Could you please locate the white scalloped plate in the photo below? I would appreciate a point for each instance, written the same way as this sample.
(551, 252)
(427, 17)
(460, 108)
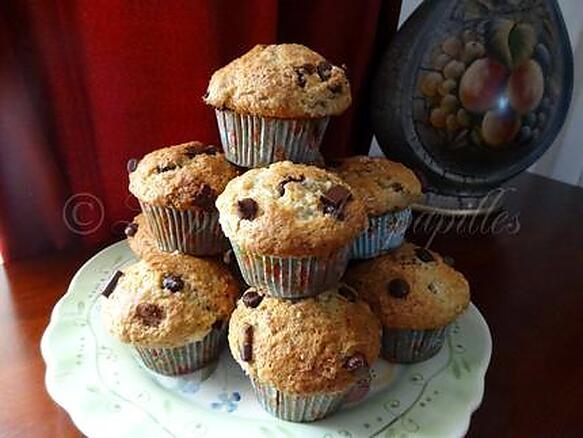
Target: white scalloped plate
(97, 380)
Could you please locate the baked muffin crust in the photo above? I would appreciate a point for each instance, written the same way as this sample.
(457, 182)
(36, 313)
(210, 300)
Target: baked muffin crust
(141, 242)
(282, 210)
(383, 185)
(411, 288)
(185, 176)
(280, 81)
(304, 347)
(169, 300)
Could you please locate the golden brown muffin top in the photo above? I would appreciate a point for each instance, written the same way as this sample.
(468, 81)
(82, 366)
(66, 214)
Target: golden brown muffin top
(411, 288)
(280, 81)
(290, 209)
(140, 239)
(310, 346)
(186, 176)
(169, 300)
(382, 185)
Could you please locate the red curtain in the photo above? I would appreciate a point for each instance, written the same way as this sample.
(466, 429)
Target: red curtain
(84, 86)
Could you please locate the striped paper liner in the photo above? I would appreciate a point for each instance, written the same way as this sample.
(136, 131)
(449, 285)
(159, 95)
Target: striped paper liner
(195, 232)
(292, 277)
(384, 233)
(255, 141)
(297, 408)
(410, 346)
(185, 359)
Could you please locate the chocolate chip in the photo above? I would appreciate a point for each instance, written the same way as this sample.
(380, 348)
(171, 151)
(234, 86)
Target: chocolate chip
(247, 352)
(131, 229)
(334, 201)
(355, 362)
(210, 150)
(324, 69)
(247, 209)
(132, 165)
(432, 288)
(448, 260)
(309, 68)
(111, 284)
(397, 187)
(161, 169)
(252, 299)
(150, 314)
(347, 293)
(424, 255)
(217, 325)
(336, 195)
(172, 282)
(300, 78)
(302, 71)
(247, 348)
(335, 88)
(398, 288)
(191, 151)
(228, 257)
(204, 197)
(206, 94)
(288, 179)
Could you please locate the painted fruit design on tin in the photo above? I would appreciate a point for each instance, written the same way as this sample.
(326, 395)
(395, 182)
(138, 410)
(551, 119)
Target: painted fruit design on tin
(484, 86)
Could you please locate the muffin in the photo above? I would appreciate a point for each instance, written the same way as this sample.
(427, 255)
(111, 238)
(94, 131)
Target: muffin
(387, 190)
(140, 239)
(177, 187)
(273, 103)
(173, 309)
(291, 227)
(416, 295)
(304, 357)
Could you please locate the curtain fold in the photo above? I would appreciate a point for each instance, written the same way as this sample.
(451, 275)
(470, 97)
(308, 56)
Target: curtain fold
(84, 86)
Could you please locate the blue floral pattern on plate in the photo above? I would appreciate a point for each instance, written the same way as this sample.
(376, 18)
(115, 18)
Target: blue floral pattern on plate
(227, 402)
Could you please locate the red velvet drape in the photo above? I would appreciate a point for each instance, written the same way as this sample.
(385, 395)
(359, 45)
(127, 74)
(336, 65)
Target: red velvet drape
(86, 85)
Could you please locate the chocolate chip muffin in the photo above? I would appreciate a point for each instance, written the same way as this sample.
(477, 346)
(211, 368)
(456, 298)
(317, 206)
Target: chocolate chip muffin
(291, 227)
(177, 187)
(416, 295)
(304, 357)
(173, 309)
(387, 190)
(273, 103)
(140, 238)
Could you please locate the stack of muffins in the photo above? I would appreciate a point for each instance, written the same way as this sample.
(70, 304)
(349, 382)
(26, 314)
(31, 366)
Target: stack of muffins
(173, 306)
(305, 337)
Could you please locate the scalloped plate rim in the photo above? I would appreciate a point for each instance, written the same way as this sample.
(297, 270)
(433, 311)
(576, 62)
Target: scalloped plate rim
(78, 415)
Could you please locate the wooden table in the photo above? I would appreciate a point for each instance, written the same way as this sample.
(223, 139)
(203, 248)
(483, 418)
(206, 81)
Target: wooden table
(529, 286)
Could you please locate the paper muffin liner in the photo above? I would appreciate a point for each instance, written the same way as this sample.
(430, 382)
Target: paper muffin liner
(195, 232)
(384, 233)
(255, 141)
(291, 277)
(187, 359)
(297, 408)
(410, 346)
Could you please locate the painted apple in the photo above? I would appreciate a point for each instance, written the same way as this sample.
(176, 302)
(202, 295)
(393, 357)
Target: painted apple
(500, 127)
(526, 87)
(481, 85)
